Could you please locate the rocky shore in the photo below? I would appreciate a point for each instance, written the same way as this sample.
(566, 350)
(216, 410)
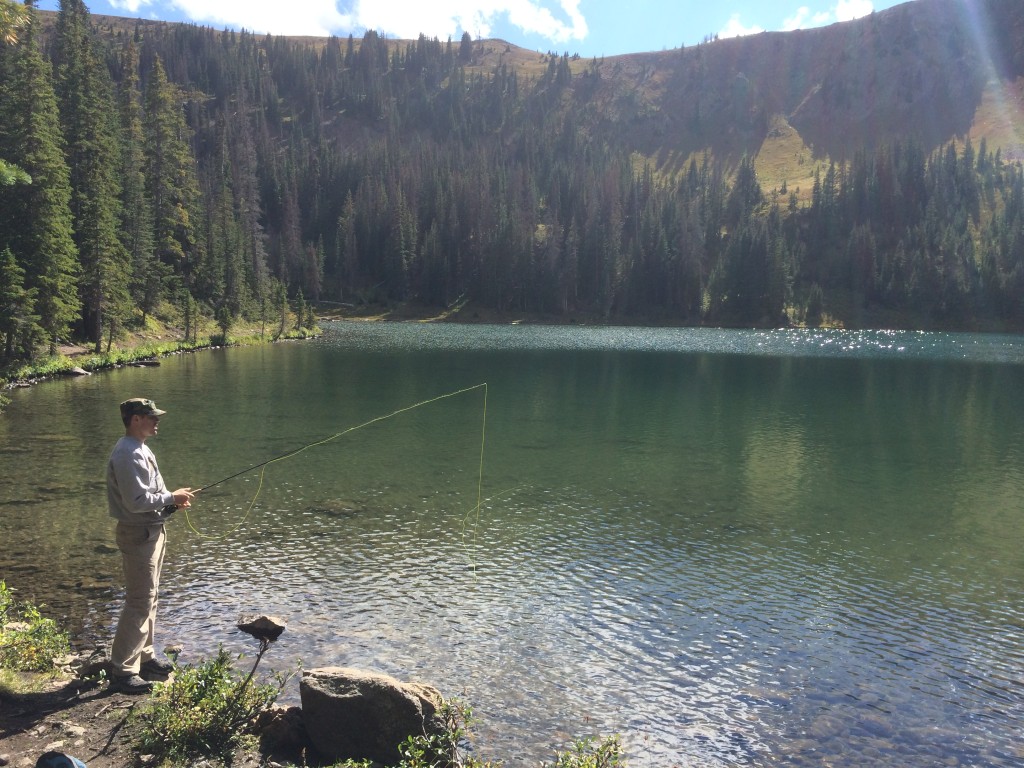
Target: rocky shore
(344, 713)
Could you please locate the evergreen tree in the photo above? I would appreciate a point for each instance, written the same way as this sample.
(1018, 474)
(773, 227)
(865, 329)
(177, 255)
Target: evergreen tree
(147, 273)
(171, 182)
(88, 118)
(35, 219)
(19, 328)
(13, 17)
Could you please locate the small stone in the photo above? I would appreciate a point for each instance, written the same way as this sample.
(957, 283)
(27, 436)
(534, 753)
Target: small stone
(262, 627)
(5, 759)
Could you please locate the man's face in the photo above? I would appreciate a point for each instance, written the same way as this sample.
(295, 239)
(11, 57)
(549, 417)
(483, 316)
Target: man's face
(148, 425)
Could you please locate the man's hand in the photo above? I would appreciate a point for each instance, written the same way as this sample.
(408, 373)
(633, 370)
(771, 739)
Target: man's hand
(183, 497)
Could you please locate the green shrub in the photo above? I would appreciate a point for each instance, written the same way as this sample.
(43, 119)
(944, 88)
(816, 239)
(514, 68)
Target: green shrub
(445, 749)
(205, 711)
(29, 642)
(591, 753)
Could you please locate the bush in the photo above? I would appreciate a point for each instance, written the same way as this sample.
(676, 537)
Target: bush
(448, 749)
(205, 711)
(589, 753)
(29, 642)
(443, 750)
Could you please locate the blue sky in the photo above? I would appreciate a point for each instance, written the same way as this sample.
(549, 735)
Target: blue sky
(588, 27)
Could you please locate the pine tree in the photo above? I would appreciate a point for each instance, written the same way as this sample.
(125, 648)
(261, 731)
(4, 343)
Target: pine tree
(147, 273)
(35, 219)
(19, 328)
(13, 18)
(88, 119)
(171, 182)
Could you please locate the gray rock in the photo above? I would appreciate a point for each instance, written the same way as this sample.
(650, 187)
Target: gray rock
(281, 728)
(94, 665)
(353, 714)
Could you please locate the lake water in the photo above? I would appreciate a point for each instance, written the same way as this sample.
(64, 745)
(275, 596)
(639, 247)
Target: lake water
(789, 548)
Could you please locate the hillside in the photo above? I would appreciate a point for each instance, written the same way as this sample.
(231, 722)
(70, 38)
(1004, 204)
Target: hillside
(932, 70)
(864, 173)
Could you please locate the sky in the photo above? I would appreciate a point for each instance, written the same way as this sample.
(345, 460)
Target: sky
(587, 27)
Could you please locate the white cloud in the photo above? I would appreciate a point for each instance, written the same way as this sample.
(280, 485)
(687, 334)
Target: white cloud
(449, 18)
(803, 18)
(131, 6)
(294, 17)
(736, 29)
(853, 9)
(845, 10)
(557, 20)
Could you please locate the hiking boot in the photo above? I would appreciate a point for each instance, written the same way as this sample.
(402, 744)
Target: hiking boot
(129, 684)
(156, 667)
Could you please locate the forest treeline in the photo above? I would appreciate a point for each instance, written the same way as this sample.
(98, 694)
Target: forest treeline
(227, 174)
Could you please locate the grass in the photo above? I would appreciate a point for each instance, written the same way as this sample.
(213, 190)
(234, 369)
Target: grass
(784, 158)
(148, 341)
(29, 642)
(1000, 118)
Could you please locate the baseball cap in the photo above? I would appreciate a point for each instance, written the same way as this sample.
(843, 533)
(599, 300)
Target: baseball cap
(140, 406)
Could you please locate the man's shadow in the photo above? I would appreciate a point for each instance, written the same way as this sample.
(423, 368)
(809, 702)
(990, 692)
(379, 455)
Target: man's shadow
(23, 713)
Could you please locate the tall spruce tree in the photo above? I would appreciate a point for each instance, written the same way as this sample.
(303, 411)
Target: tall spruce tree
(171, 181)
(35, 219)
(13, 18)
(88, 118)
(147, 272)
(19, 327)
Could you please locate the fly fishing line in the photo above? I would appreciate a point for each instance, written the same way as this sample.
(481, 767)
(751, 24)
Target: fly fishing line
(262, 466)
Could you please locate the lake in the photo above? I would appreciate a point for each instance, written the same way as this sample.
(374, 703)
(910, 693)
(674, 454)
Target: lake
(771, 548)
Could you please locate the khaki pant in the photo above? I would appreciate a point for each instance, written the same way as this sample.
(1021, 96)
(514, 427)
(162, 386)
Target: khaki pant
(142, 554)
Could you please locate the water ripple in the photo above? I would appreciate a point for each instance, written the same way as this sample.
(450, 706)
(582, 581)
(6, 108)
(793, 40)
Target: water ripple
(801, 342)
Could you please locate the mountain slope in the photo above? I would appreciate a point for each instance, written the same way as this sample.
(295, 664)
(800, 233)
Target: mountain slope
(697, 185)
(931, 70)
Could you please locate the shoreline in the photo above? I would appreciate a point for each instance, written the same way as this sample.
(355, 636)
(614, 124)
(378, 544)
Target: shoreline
(75, 359)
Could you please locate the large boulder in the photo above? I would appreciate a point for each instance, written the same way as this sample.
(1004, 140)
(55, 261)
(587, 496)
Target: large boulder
(353, 714)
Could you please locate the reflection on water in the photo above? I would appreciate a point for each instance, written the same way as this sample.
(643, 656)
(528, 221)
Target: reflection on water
(730, 547)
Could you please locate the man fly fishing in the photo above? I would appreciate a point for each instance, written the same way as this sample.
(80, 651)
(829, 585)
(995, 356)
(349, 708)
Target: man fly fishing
(140, 502)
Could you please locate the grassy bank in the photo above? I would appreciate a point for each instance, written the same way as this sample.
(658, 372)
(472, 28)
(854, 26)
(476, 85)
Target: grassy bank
(153, 338)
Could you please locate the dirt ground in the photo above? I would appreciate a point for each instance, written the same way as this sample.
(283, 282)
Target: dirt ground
(80, 718)
(85, 720)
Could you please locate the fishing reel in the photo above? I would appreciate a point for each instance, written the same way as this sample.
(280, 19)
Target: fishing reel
(169, 509)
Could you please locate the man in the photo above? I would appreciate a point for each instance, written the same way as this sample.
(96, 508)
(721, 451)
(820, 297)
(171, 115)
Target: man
(140, 502)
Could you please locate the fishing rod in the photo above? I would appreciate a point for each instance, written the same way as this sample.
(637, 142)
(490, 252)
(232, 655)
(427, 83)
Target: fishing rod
(173, 507)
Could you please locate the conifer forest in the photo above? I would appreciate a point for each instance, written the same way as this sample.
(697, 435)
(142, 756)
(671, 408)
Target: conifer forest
(225, 173)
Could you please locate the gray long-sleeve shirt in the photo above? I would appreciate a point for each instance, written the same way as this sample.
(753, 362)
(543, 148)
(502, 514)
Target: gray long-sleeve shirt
(136, 493)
